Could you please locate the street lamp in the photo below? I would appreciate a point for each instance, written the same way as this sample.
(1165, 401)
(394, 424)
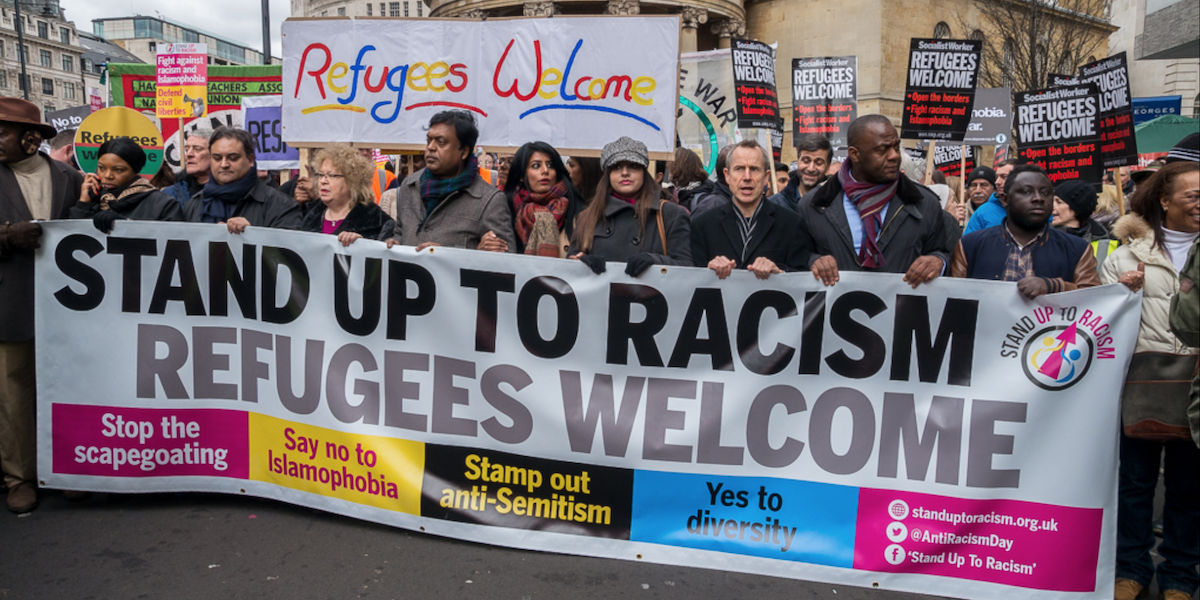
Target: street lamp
(21, 47)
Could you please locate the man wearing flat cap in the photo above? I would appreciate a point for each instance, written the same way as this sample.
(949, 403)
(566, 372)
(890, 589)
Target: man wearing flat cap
(33, 187)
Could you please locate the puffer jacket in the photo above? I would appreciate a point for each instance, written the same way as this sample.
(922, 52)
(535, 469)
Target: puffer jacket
(1162, 282)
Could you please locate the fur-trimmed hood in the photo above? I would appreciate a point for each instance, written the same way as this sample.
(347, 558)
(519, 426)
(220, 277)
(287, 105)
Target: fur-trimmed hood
(1132, 227)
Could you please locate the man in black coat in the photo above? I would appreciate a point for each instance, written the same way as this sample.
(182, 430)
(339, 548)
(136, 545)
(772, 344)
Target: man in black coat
(234, 195)
(870, 217)
(33, 187)
(748, 232)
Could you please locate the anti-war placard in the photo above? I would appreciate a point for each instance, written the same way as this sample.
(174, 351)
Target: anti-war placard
(1057, 129)
(942, 76)
(824, 97)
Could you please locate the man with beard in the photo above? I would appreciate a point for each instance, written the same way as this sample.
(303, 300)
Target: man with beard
(870, 217)
(33, 188)
(1024, 248)
(234, 195)
(990, 213)
(815, 154)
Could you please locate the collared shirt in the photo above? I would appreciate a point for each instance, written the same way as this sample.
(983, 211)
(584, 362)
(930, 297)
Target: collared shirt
(1019, 264)
(855, 221)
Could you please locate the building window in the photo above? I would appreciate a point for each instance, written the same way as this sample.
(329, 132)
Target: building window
(153, 46)
(420, 8)
(393, 9)
(43, 31)
(69, 90)
(66, 35)
(48, 108)
(406, 8)
(324, 13)
(68, 63)
(22, 82)
(1008, 63)
(369, 7)
(23, 53)
(381, 11)
(85, 64)
(342, 11)
(3, 80)
(1195, 105)
(47, 58)
(47, 86)
(941, 31)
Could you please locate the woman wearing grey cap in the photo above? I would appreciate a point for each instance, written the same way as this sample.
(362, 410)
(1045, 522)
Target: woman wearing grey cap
(626, 221)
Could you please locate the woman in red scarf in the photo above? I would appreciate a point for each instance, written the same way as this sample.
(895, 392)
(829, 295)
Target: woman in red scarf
(543, 200)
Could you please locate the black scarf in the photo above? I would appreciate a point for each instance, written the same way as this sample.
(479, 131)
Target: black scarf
(219, 201)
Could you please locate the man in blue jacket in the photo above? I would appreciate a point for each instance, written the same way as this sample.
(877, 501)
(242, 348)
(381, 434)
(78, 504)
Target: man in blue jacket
(992, 212)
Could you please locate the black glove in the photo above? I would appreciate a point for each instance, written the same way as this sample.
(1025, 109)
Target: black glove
(20, 236)
(595, 263)
(639, 263)
(105, 219)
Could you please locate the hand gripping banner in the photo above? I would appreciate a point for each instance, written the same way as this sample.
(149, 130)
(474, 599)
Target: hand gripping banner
(953, 439)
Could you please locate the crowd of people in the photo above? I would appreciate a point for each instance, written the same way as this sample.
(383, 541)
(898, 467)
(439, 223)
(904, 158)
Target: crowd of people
(868, 212)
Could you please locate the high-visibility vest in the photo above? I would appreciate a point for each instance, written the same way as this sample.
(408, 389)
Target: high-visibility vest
(381, 182)
(1102, 249)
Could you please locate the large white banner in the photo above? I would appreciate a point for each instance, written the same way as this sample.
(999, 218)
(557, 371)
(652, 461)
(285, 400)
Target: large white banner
(954, 439)
(577, 83)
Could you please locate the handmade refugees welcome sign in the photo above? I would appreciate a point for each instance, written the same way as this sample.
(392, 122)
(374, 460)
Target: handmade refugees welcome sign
(953, 440)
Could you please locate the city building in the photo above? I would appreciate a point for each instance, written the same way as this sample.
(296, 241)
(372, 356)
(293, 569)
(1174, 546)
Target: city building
(140, 36)
(1162, 47)
(97, 52)
(359, 8)
(54, 75)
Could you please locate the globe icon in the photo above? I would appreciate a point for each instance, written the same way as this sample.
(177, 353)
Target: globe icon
(898, 509)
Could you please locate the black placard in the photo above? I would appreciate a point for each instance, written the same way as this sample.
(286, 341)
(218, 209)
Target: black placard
(754, 82)
(1058, 80)
(1118, 144)
(1058, 128)
(947, 158)
(942, 75)
(471, 485)
(824, 97)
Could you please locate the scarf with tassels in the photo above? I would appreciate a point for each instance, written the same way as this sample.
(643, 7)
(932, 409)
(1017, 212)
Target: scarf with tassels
(528, 206)
(138, 186)
(435, 190)
(870, 199)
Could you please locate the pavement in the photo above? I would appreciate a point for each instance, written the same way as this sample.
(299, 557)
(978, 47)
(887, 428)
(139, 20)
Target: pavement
(206, 546)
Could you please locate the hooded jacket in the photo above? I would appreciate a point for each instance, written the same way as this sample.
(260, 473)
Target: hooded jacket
(1162, 282)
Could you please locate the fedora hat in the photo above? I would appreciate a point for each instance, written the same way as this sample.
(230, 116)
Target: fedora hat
(24, 112)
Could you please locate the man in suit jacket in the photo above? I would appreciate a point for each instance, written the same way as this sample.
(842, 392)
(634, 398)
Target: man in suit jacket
(870, 217)
(748, 232)
(33, 187)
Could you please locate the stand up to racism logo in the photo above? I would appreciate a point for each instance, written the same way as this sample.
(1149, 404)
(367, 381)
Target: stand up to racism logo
(1055, 358)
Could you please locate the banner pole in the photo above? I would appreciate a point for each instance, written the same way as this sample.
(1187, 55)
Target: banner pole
(962, 176)
(929, 162)
(182, 165)
(1120, 191)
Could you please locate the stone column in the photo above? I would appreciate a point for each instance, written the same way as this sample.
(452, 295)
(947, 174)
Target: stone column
(540, 9)
(692, 18)
(623, 7)
(728, 28)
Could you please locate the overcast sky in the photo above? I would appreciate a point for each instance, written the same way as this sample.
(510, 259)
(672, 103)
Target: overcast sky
(238, 21)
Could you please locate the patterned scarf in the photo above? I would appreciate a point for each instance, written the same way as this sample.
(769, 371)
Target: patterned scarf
(746, 227)
(139, 185)
(632, 200)
(528, 205)
(434, 190)
(870, 199)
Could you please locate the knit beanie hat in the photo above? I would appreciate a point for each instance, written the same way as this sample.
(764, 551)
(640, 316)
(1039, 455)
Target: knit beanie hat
(982, 173)
(625, 149)
(127, 149)
(1188, 149)
(1079, 195)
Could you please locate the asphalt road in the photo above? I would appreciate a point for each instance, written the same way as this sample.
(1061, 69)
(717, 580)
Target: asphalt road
(208, 546)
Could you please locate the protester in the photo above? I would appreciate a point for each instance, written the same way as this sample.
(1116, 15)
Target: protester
(981, 184)
(381, 179)
(833, 169)
(991, 213)
(815, 154)
(62, 147)
(1188, 150)
(544, 201)
(502, 166)
(116, 191)
(748, 232)
(1157, 234)
(234, 195)
(33, 187)
(1025, 249)
(870, 218)
(344, 188)
(781, 176)
(447, 203)
(1107, 207)
(720, 193)
(196, 166)
(488, 161)
(163, 178)
(585, 174)
(627, 221)
(1185, 324)
(690, 179)
(1075, 201)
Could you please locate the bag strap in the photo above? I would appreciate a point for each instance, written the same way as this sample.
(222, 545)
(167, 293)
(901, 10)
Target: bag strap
(662, 230)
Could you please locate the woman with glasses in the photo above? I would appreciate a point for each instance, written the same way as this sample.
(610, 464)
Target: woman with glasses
(343, 180)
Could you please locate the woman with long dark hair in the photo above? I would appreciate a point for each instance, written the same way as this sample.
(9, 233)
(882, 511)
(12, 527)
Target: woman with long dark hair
(585, 174)
(117, 191)
(627, 221)
(543, 200)
(690, 179)
(1157, 234)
